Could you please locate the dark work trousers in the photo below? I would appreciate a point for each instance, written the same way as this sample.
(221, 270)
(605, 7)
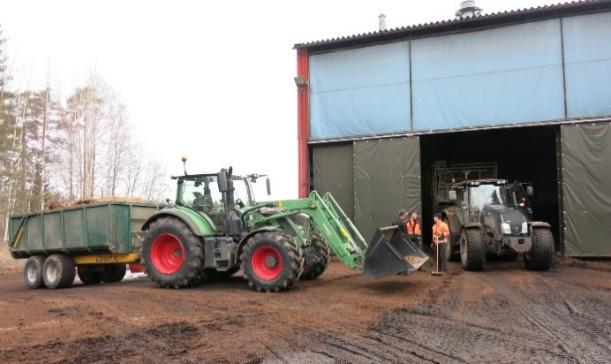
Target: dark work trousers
(416, 240)
(443, 263)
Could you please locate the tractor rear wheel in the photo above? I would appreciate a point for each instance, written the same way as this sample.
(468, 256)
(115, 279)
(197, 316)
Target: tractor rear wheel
(472, 249)
(271, 261)
(541, 254)
(173, 255)
(58, 271)
(316, 258)
(32, 272)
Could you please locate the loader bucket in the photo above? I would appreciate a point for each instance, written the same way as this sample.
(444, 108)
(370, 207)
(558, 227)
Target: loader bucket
(392, 255)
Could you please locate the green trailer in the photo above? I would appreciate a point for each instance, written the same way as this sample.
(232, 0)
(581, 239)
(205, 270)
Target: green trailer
(98, 239)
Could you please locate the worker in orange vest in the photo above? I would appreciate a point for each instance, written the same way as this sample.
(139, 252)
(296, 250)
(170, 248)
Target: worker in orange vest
(413, 229)
(441, 236)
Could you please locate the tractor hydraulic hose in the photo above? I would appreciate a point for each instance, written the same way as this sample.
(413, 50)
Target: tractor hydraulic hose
(251, 209)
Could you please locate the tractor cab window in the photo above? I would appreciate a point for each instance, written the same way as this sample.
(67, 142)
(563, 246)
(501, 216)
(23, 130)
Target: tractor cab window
(486, 195)
(240, 192)
(201, 194)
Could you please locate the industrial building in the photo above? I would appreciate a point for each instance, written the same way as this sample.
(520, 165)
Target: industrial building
(388, 119)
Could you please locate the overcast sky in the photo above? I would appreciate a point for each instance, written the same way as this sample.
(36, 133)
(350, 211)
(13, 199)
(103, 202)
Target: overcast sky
(209, 79)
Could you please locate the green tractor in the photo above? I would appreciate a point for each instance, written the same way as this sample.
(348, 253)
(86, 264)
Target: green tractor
(217, 228)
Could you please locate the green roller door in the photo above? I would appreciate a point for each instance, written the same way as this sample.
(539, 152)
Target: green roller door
(387, 179)
(333, 167)
(586, 189)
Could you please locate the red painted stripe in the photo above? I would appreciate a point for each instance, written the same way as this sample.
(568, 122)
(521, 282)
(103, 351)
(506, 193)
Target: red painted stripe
(303, 123)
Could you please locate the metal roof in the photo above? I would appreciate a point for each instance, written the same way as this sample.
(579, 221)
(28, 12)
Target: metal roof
(457, 25)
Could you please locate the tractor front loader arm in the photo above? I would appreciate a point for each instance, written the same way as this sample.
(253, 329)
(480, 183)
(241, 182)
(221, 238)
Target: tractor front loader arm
(379, 258)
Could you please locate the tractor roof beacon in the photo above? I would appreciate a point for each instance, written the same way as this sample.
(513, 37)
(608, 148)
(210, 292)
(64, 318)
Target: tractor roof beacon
(493, 216)
(218, 227)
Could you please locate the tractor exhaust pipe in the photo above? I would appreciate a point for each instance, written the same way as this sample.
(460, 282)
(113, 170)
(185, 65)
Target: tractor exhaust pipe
(390, 252)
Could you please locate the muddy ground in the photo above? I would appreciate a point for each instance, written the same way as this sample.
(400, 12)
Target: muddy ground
(503, 315)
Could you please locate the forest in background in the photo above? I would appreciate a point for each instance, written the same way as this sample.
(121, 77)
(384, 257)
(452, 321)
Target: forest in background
(79, 148)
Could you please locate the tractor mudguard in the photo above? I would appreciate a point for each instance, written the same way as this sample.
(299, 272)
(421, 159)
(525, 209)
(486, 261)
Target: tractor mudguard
(394, 254)
(254, 232)
(199, 224)
(474, 225)
(539, 224)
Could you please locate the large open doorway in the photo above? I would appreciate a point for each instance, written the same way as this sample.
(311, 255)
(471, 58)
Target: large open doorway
(525, 154)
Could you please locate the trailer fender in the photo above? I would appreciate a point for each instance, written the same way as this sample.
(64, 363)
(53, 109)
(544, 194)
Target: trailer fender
(252, 233)
(199, 224)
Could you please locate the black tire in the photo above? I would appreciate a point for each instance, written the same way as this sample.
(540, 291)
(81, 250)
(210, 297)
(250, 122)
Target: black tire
(274, 246)
(113, 273)
(190, 271)
(316, 258)
(541, 254)
(32, 272)
(89, 275)
(472, 250)
(58, 271)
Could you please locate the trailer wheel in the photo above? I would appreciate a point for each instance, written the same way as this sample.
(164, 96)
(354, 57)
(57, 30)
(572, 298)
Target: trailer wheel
(271, 261)
(58, 271)
(316, 258)
(113, 273)
(32, 272)
(541, 254)
(472, 250)
(173, 255)
(89, 275)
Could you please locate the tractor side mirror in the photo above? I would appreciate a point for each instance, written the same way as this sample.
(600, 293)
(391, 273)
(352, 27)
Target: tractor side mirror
(268, 184)
(530, 191)
(222, 180)
(452, 195)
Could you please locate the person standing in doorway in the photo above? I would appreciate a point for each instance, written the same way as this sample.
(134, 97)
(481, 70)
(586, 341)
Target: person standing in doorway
(413, 229)
(441, 236)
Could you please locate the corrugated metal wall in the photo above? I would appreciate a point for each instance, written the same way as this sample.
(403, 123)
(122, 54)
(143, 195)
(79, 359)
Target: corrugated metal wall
(498, 76)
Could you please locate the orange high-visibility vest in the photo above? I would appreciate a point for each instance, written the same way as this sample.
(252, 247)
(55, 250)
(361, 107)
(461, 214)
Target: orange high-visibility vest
(413, 229)
(441, 231)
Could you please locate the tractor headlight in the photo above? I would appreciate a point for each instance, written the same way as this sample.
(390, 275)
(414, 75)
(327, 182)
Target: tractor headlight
(524, 227)
(506, 228)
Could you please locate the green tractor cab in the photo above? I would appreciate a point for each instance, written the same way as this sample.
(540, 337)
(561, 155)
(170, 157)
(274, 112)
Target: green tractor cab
(217, 228)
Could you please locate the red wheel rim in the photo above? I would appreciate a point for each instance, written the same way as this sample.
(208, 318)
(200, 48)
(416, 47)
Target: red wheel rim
(167, 254)
(266, 262)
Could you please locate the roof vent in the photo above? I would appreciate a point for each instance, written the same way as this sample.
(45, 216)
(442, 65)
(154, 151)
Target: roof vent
(382, 21)
(468, 9)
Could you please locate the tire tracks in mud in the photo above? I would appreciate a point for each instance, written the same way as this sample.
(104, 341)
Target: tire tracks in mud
(533, 319)
(585, 338)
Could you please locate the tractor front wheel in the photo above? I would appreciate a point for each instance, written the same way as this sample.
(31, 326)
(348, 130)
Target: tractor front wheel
(271, 261)
(317, 256)
(541, 254)
(173, 255)
(472, 249)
